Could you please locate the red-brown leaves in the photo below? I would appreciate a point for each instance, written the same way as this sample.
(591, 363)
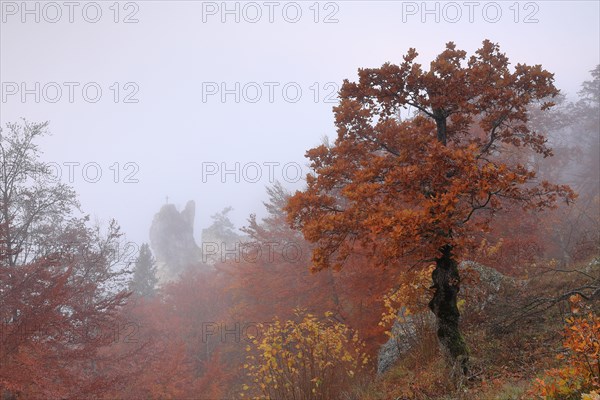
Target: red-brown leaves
(411, 186)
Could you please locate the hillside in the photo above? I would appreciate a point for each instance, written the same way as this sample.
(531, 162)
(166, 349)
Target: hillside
(514, 341)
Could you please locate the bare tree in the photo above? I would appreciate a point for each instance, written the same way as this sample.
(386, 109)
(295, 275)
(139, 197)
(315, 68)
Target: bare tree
(33, 205)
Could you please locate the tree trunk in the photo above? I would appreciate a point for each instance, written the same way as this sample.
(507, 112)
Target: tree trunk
(441, 129)
(446, 282)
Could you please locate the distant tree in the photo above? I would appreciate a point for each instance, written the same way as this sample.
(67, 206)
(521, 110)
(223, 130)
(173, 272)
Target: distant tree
(274, 226)
(574, 128)
(277, 261)
(144, 279)
(180, 334)
(587, 112)
(221, 228)
(220, 237)
(587, 181)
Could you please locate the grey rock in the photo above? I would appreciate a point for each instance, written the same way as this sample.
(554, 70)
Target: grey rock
(406, 328)
(404, 335)
(172, 241)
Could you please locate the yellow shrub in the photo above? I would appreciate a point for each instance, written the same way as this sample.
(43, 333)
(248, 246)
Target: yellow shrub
(310, 359)
(410, 297)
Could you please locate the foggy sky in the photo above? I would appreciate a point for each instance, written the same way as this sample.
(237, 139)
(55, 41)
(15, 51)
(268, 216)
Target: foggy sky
(178, 52)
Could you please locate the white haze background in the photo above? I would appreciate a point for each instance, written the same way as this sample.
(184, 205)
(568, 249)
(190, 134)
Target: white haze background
(170, 52)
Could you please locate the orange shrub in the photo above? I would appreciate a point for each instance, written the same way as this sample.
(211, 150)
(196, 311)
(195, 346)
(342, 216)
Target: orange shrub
(581, 372)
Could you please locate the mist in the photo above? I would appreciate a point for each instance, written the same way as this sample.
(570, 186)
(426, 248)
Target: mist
(190, 181)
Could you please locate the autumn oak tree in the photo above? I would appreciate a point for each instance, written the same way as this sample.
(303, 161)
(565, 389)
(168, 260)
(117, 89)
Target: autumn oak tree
(421, 187)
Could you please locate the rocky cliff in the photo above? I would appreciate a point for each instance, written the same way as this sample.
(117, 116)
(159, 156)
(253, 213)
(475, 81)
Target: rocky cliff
(172, 241)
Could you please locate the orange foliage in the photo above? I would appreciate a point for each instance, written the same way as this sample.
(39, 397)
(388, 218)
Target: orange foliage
(55, 323)
(409, 187)
(580, 373)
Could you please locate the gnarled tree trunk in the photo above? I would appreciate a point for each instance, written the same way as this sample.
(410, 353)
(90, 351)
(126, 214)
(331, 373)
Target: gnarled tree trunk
(446, 282)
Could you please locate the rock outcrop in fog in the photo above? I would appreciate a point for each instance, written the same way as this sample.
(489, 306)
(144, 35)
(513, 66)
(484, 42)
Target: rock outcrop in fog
(172, 240)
